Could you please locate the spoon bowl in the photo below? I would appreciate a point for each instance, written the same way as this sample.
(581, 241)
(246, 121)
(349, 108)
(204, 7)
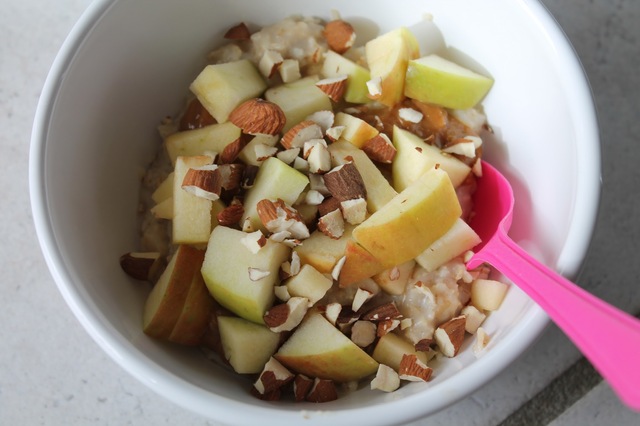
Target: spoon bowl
(608, 337)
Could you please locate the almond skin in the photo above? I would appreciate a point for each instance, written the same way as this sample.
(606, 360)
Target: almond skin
(258, 116)
(238, 32)
(340, 35)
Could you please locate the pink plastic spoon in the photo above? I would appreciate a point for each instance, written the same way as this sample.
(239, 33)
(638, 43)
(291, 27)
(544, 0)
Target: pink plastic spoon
(608, 337)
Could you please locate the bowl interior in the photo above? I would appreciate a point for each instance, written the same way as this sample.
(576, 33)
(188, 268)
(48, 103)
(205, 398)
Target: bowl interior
(126, 66)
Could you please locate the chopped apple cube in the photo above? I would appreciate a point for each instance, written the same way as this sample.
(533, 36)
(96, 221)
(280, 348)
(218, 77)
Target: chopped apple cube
(299, 99)
(246, 345)
(411, 221)
(238, 279)
(356, 130)
(191, 214)
(275, 180)
(318, 349)
(164, 190)
(209, 139)
(414, 157)
(222, 87)
(309, 283)
(390, 349)
(488, 294)
(458, 239)
(357, 76)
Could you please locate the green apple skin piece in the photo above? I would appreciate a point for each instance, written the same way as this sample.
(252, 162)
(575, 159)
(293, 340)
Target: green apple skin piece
(226, 272)
(274, 180)
(165, 303)
(220, 88)
(323, 252)
(196, 313)
(309, 283)
(460, 238)
(379, 191)
(356, 130)
(390, 349)
(299, 99)
(411, 221)
(212, 138)
(164, 190)
(436, 80)
(357, 76)
(246, 345)
(388, 57)
(191, 214)
(414, 157)
(318, 349)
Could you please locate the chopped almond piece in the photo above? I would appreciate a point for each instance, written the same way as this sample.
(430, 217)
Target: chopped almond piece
(300, 133)
(354, 211)
(380, 149)
(332, 224)
(412, 369)
(274, 375)
(230, 215)
(344, 182)
(324, 118)
(340, 35)
(474, 318)
(450, 335)
(286, 316)
(360, 298)
(142, 266)
(386, 379)
(238, 32)
(301, 387)
(387, 326)
(332, 312)
(269, 63)
(254, 241)
(334, 87)
(481, 342)
(323, 390)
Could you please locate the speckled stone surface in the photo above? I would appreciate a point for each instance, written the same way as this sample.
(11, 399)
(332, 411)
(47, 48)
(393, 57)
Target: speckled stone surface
(52, 373)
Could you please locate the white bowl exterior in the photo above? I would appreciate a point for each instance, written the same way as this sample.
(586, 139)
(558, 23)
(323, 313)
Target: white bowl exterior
(124, 67)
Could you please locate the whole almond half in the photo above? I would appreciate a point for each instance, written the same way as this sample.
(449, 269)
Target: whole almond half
(340, 35)
(258, 116)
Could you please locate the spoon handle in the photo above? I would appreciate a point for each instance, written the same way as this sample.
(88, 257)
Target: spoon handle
(608, 337)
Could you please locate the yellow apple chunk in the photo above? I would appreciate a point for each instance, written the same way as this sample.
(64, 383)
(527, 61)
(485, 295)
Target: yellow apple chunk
(194, 318)
(299, 99)
(247, 346)
(191, 214)
(414, 157)
(357, 76)
(390, 349)
(165, 303)
(212, 138)
(388, 57)
(323, 252)
(358, 265)
(309, 283)
(356, 130)
(318, 349)
(227, 271)
(275, 180)
(222, 87)
(488, 294)
(460, 238)
(411, 221)
(436, 80)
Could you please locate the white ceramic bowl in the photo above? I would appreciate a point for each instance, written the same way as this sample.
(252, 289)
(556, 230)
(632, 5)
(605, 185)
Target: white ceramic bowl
(126, 64)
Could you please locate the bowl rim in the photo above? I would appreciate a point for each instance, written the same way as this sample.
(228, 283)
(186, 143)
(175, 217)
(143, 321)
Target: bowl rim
(204, 403)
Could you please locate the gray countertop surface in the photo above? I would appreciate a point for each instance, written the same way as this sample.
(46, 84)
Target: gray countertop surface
(52, 373)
